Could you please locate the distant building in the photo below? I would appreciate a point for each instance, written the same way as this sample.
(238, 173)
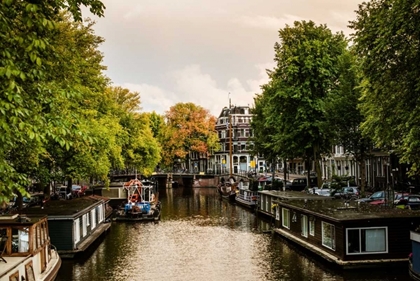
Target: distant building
(234, 131)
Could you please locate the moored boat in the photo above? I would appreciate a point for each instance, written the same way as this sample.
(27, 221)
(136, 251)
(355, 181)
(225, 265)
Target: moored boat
(142, 202)
(26, 250)
(246, 197)
(227, 190)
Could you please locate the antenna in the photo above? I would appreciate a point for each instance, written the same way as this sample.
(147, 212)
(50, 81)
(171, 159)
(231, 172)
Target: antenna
(229, 100)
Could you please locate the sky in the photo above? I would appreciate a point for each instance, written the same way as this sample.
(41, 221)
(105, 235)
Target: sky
(202, 51)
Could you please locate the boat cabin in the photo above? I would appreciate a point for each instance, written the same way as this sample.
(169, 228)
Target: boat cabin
(26, 250)
(75, 224)
(347, 233)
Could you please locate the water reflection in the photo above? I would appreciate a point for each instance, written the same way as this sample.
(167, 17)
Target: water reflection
(201, 237)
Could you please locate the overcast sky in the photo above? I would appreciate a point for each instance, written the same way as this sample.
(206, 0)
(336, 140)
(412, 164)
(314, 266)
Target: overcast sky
(199, 51)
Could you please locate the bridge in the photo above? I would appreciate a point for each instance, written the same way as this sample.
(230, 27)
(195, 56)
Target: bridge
(193, 179)
(184, 179)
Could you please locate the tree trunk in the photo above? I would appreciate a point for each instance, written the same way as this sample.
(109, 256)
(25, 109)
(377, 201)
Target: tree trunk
(317, 165)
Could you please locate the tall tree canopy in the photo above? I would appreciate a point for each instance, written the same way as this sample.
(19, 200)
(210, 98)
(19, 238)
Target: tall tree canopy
(189, 128)
(27, 95)
(307, 58)
(387, 37)
(343, 115)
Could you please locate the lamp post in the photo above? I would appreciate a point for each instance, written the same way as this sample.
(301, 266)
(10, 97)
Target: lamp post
(230, 144)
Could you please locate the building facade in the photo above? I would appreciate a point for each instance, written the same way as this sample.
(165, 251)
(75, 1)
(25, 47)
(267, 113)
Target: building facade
(234, 131)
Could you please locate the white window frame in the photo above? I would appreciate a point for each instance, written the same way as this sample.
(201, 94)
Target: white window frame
(101, 215)
(88, 219)
(312, 226)
(304, 225)
(93, 215)
(360, 240)
(76, 231)
(328, 242)
(84, 226)
(285, 218)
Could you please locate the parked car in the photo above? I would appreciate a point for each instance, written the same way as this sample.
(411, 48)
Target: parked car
(379, 195)
(320, 191)
(411, 201)
(34, 200)
(61, 192)
(299, 184)
(397, 198)
(348, 192)
(77, 190)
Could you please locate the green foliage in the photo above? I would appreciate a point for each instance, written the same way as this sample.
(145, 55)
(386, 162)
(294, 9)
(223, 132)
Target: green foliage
(292, 102)
(387, 38)
(29, 92)
(343, 116)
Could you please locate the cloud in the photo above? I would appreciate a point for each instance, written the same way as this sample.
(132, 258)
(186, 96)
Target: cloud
(267, 22)
(191, 84)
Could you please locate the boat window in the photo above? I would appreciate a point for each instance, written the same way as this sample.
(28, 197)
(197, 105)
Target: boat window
(20, 240)
(304, 225)
(312, 226)
(88, 219)
(285, 218)
(93, 216)
(328, 235)
(370, 240)
(14, 276)
(38, 236)
(76, 230)
(44, 231)
(29, 271)
(84, 226)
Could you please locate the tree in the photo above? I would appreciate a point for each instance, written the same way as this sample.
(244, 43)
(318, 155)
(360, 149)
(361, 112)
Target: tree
(263, 126)
(387, 34)
(139, 149)
(26, 28)
(306, 72)
(343, 116)
(189, 128)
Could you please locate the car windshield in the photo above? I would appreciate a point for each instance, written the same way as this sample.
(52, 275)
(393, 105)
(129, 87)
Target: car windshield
(26, 200)
(378, 194)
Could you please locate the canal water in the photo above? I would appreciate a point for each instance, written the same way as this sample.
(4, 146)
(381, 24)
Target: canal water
(201, 237)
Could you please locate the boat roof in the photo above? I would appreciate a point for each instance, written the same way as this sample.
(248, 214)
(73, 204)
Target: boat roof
(341, 210)
(20, 219)
(66, 207)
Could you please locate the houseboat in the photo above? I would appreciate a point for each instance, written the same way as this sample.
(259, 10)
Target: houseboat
(74, 225)
(26, 249)
(414, 257)
(267, 198)
(142, 202)
(245, 196)
(346, 233)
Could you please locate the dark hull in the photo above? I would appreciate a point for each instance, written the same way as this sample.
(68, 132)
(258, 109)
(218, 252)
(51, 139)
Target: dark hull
(246, 203)
(152, 215)
(230, 197)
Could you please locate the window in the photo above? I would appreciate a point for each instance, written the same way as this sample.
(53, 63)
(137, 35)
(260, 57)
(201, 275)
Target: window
(76, 229)
(29, 272)
(328, 235)
(277, 213)
(369, 240)
(93, 216)
(84, 227)
(285, 218)
(312, 226)
(20, 240)
(304, 225)
(88, 219)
